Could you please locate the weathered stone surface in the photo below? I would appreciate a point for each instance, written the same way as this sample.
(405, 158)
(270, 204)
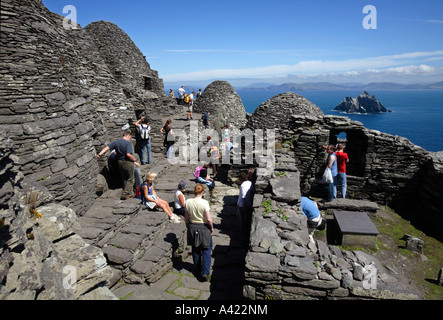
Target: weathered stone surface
(350, 205)
(278, 110)
(286, 189)
(262, 262)
(225, 105)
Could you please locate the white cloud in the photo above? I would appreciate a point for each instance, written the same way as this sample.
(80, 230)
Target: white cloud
(393, 63)
(434, 21)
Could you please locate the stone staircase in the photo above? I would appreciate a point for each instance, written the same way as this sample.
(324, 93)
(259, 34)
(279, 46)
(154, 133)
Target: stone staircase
(142, 245)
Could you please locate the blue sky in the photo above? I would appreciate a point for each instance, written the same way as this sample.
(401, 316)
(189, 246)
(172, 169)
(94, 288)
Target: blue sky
(314, 40)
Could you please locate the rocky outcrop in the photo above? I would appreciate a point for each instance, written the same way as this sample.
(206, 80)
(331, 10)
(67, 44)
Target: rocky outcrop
(220, 99)
(276, 112)
(364, 103)
(41, 255)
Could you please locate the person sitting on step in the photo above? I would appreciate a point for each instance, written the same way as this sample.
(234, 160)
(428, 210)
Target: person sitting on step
(151, 200)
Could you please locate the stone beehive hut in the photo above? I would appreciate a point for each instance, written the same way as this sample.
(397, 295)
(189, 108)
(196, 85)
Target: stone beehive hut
(220, 99)
(277, 111)
(62, 97)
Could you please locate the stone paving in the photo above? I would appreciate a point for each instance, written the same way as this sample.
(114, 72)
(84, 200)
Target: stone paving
(148, 254)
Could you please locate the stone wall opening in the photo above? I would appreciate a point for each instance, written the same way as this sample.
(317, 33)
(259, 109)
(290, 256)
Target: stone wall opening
(356, 146)
(148, 83)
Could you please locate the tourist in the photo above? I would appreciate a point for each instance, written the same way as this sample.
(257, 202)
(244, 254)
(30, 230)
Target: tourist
(244, 202)
(342, 160)
(205, 119)
(181, 95)
(190, 106)
(169, 138)
(200, 228)
(204, 178)
(171, 93)
(145, 139)
(331, 163)
(151, 200)
(315, 220)
(199, 94)
(226, 138)
(179, 198)
(213, 154)
(125, 162)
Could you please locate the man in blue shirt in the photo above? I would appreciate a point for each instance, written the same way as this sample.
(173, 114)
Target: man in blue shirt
(125, 162)
(310, 210)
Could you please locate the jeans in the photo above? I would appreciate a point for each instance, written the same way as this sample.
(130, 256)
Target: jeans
(209, 183)
(169, 151)
(202, 257)
(342, 179)
(145, 147)
(332, 189)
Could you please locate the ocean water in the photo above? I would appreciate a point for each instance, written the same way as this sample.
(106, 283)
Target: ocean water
(416, 114)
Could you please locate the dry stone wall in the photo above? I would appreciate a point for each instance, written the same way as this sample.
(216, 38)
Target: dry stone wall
(37, 253)
(60, 98)
(383, 168)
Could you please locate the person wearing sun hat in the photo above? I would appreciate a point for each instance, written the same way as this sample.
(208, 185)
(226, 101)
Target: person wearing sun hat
(179, 198)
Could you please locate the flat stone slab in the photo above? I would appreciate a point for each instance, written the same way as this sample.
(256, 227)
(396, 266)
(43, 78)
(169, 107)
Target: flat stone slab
(356, 229)
(355, 222)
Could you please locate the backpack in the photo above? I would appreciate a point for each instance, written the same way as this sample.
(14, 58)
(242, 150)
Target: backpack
(197, 172)
(186, 98)
(138, 191)
(145, 133)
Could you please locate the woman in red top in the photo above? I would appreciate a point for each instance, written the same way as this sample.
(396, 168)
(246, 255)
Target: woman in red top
(342, 160)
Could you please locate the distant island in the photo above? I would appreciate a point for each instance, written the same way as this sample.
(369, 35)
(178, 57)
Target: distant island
(364, 103)
(251, 86)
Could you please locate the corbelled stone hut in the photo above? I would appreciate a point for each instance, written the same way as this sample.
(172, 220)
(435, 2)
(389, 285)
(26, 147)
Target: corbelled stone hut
(220, 99)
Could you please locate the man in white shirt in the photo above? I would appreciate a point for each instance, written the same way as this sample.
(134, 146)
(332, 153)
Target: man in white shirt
(181, 95)
(244, 202)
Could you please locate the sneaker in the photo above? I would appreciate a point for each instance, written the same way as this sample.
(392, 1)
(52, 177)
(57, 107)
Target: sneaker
(204, 278)
(174, 220)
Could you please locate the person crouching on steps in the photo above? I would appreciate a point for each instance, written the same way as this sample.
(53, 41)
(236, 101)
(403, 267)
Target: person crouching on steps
(151, 200)
(200, 228)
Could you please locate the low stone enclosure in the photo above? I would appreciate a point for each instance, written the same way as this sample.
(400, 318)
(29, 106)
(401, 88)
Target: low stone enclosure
(383, 168)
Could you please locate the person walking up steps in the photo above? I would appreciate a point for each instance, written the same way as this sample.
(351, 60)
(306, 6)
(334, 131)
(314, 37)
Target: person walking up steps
(145, 139)
(125, 162)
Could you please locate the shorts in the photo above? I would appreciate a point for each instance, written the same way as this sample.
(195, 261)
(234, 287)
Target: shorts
(150, 204)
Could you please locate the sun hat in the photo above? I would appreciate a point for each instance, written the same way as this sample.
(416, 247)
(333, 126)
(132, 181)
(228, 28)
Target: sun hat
(182, 185)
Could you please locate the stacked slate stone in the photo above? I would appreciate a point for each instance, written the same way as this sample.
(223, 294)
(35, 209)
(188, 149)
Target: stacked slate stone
(220, 99)
(41, 255)
(383, 168)
(283, 264)
(61, 102)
